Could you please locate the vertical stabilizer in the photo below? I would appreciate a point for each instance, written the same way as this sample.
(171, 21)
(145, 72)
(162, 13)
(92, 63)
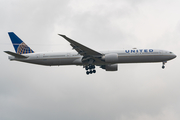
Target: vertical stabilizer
(19, 46)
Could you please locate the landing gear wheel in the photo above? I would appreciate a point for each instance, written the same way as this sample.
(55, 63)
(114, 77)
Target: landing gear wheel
(86, 68)
(90, 69)
(163, 67)
(163, 64)
(93, 67)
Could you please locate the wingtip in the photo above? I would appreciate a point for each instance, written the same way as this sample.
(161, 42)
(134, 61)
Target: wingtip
(61, 35)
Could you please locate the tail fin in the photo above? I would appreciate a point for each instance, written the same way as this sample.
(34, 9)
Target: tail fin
(19, 46)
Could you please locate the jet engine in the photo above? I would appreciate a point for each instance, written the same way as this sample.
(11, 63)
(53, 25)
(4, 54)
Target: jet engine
(110, 58)
(113, 67)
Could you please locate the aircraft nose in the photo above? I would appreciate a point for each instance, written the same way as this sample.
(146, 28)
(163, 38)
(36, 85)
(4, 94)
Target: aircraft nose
(171, 56)
(174, 56)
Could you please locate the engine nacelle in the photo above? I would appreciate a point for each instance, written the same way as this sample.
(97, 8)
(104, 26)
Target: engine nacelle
(110, 58)
(113, 67)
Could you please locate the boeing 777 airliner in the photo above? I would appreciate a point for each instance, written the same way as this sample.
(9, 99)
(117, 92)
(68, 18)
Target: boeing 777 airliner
(86, 57)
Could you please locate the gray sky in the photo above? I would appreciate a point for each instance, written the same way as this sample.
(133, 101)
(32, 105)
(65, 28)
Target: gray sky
(134, 92)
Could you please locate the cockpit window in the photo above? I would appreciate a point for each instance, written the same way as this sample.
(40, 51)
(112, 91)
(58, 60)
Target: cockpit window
(170, 52)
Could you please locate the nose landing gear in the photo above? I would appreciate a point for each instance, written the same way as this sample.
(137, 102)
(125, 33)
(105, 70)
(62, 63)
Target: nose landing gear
(164, 62)
(91, 69)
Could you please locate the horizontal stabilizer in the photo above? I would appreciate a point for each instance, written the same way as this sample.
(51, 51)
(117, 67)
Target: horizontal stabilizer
(15, 54)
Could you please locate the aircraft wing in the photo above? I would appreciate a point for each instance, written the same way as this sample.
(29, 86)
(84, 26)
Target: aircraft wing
(81, 49)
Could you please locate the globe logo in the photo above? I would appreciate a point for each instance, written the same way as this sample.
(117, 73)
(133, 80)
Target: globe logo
(24, 49)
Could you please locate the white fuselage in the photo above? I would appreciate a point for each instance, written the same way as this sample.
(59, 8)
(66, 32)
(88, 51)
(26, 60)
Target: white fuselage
(124, 56)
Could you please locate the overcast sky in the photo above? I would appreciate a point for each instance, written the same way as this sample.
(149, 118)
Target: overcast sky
(134, 92)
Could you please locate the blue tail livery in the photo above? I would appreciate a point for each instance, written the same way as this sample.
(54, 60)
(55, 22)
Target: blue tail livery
(19, 46)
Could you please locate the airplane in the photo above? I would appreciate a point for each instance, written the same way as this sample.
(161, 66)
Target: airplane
(86, 57)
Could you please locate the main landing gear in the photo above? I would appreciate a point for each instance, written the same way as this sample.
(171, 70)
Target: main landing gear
(163, 64)
(91, 69)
